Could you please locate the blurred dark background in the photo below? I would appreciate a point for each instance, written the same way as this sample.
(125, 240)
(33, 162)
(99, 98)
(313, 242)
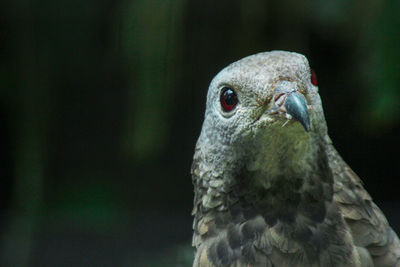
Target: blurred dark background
(101, 103)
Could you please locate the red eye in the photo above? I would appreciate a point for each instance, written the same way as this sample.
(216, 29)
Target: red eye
(228, 99)
(314, 78)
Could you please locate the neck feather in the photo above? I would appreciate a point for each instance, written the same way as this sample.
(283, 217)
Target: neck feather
(294, 183)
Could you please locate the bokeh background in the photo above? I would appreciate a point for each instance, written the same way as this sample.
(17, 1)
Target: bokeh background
(101, 103)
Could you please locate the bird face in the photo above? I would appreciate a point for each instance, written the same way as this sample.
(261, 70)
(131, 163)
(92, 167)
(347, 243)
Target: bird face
(264, 113)
(263, 95)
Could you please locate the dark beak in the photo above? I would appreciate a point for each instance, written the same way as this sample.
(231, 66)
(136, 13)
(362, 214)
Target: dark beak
(296, 106)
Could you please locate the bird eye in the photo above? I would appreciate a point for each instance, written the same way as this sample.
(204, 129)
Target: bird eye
(314, 78)
(228, 99)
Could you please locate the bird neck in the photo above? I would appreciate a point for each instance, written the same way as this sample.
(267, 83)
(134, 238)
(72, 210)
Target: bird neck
(278, 188)
(295, 192)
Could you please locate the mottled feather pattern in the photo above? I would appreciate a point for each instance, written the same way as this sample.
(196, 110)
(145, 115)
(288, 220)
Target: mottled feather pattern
(253, 237)
(369, 226)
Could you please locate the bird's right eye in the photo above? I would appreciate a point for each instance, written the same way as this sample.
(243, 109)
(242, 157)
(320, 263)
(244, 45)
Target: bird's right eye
(228, 99)
(314, 78)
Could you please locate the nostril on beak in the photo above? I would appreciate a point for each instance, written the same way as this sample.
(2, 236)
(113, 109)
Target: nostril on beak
(280, 99)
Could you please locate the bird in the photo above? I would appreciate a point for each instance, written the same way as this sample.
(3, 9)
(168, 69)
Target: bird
(270, 189)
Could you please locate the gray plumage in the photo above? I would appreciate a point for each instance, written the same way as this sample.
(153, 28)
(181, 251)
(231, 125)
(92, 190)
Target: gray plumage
(270, 189)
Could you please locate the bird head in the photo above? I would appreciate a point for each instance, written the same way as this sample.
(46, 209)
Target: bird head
(264, 104)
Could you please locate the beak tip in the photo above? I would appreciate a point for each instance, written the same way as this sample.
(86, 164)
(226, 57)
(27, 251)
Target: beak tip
(296, 106)
(307, 126)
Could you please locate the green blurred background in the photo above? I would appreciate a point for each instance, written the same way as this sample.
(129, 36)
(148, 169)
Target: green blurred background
(101, 103)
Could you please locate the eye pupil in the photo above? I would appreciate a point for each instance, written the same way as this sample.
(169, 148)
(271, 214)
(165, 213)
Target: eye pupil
(228, 99)
(314, 78)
